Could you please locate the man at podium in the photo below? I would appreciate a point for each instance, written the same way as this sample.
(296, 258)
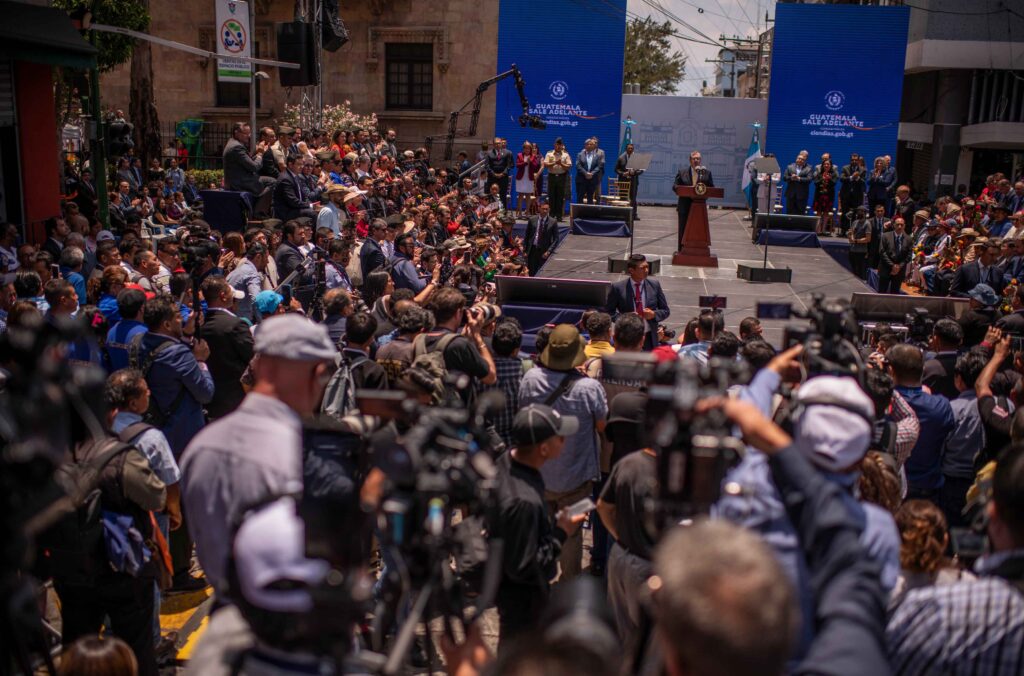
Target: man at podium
(691, 175)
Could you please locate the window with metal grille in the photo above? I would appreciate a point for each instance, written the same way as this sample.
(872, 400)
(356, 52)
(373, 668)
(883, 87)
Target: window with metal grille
(409, 81)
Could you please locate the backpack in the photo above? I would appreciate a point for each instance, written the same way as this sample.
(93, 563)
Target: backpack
(73, 548)
(340, 394)
(155, 416)
(432, 361)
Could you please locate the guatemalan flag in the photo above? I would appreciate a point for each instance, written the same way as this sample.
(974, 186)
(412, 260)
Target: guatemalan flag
(752, 154)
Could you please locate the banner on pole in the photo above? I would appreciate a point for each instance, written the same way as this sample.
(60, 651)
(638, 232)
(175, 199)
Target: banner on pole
(233, 39)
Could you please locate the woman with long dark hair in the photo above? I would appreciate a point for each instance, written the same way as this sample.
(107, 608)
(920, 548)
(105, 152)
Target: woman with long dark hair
(377, 285)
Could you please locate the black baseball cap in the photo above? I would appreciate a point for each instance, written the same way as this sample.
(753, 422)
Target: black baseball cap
(536, 423)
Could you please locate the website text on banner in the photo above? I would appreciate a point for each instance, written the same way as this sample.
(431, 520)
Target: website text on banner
(848, 101)
(571, 57)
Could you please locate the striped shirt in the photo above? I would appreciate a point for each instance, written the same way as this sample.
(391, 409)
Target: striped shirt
(971, 627)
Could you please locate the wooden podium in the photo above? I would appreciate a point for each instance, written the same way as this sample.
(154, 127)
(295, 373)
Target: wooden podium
(696, 245)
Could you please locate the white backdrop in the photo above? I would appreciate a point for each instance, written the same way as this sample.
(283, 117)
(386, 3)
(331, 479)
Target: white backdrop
(671, 127)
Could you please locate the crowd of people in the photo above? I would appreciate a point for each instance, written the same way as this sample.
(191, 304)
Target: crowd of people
(846, 540)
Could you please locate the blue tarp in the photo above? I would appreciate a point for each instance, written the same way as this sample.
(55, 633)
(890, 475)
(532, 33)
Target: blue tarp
(789, 238)
(224, 210)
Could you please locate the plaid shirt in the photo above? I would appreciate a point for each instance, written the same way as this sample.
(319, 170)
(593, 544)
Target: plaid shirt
(907, 427)
(510, 373)
(970, 627)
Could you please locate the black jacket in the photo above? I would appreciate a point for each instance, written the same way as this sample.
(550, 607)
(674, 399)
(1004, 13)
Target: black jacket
(370, 257)
(890, 254)
(287, 258)
(532, 541)
(288, 198)
(683, 178)
(938, 375)
(970, 275)
(548, 235)
(231, 350)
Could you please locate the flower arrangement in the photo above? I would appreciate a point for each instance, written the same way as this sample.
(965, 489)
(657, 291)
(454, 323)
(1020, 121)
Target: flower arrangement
(335, 117)
(1006, 304)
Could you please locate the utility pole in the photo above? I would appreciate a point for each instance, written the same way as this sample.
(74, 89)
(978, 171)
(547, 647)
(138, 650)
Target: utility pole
(99, 149)
(732, 76)
(252, 77)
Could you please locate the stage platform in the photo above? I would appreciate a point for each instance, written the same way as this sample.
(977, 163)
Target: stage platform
(814, 270)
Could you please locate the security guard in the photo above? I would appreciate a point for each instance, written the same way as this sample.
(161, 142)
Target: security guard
(256, 451)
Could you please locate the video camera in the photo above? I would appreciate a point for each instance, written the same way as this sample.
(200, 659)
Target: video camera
(695, 448)
(194, 250)
(439, 466)
(831, 342)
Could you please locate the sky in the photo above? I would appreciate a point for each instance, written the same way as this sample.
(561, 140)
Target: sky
(714, 18)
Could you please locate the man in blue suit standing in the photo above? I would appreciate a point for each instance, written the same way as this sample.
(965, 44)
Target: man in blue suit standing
(641, 295)
(589, 171)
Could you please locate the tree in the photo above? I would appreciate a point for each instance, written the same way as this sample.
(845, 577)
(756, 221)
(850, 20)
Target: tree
(113, 49)
(650, 60)
(142, 104)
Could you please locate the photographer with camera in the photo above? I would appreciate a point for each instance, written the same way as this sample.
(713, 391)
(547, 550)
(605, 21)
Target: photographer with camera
(532, 539)
(717, 599)
(832, 424)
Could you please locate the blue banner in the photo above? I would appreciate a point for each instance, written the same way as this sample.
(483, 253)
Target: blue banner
(571, 56)
(836, 82)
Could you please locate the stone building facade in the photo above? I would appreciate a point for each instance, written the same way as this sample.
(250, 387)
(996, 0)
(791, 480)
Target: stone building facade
(446, 46)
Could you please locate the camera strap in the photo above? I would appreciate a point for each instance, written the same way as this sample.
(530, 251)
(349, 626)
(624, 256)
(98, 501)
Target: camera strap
(563, 387)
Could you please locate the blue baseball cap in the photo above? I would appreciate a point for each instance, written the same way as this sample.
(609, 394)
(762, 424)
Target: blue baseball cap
(268, 301)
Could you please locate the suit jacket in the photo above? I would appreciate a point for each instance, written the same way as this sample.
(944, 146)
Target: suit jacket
(287, 258)
(970, 275)
(798, 180)
(683, 177)
(596, 166)
(231, 350)
(850, 186)
(938, 375)
(268, 164)
(288, 202)
(621, 167)
(241, 172)
(500, 162)
(621, 300)
(878, 186)
(548, 235)
(370, 257)
(890, 255)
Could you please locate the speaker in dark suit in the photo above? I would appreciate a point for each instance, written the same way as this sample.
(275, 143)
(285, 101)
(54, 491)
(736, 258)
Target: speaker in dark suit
(691, 175)
(642, 295)
(540, 239)
(895, 252)
(371, 256)
(231, 347)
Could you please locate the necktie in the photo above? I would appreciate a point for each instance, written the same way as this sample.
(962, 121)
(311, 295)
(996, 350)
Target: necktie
(638, 301)
(536, 235)
(899, 243)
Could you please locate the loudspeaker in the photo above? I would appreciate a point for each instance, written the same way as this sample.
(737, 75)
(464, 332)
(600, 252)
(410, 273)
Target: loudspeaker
(334, 33)
(770, 275)
(618, 263)
(295, 44)
(895, 307)
(785, 222)
(602, 212)
(552, 291)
